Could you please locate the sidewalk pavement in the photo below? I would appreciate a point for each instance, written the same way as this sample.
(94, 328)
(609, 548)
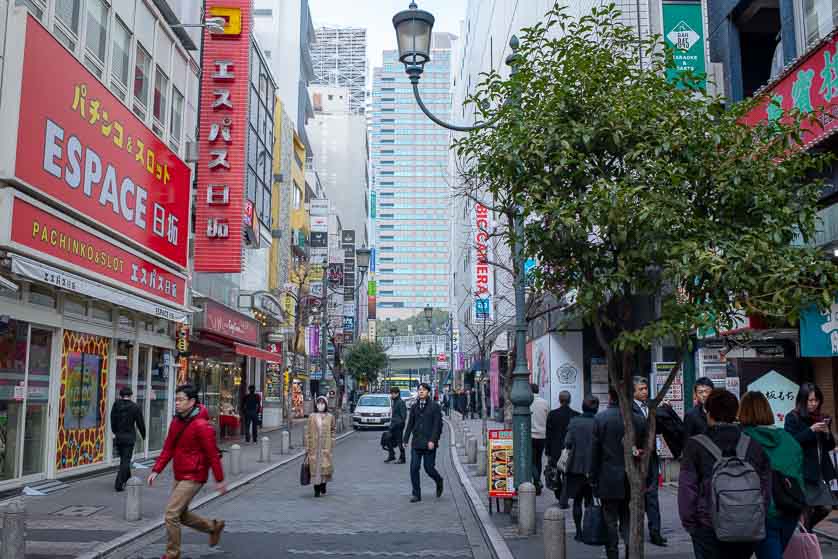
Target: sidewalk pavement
(679, 542)
(88, 512)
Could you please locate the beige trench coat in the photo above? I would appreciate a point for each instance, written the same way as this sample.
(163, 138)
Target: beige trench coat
(320, 440)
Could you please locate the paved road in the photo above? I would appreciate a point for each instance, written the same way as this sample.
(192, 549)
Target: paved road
(366, 513)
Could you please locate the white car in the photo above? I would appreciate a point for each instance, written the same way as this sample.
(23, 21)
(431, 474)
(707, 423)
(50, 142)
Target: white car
(372, 410)
(408, 397)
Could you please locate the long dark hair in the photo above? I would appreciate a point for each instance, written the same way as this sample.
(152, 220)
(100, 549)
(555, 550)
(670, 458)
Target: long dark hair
(803, 394)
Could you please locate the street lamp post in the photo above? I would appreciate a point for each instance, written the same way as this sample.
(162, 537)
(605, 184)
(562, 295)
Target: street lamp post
(413, 35)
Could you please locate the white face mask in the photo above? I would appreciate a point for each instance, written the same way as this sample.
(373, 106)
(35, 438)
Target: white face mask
(321, 407)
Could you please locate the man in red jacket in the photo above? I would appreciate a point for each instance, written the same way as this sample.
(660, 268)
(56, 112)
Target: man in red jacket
(191, 442)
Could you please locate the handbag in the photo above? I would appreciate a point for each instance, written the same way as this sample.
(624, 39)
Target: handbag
(551, 476)
(305, 472)
(564, 460)
(593, 525)
(803, 545)
(386, 438)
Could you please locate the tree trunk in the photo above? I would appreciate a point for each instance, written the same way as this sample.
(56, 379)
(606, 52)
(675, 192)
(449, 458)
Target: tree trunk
(637, 513)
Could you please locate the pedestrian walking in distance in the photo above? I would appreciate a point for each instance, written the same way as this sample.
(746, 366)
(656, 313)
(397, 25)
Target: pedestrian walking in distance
(191, 444)
(539, 410)
(580, 433)
(786, 459)
(653, 513)
(556, 430)
(126, 420)
(398, 417)
(813, 431)
(424, 427)
(733, 525)
(320, 441)
(252, 406)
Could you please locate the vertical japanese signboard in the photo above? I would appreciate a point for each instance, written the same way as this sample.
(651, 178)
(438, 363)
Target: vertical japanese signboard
(683, 30)
(501, 475)
(219, 214)
(482, 282)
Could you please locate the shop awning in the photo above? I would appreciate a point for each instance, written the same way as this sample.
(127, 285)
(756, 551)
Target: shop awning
(255, 352)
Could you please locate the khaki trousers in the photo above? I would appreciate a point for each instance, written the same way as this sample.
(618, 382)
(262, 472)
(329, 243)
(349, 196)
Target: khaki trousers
(177, 513)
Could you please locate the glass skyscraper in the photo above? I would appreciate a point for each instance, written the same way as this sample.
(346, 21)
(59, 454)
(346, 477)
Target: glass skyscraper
(411, 187)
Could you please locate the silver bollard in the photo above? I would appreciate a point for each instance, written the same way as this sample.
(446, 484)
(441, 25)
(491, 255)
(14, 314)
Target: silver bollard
(471, 450)
(133, 499)
(526, 509)
(284, 442)
(12, 537)
(265, 454)
(481, 460)
(555, 542)
(235, 459)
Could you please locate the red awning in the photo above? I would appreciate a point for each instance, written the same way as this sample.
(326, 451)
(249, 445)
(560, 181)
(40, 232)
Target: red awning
(250, 351)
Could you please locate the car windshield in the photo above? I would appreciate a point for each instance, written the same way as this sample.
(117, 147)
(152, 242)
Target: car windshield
(374, 401)
(405, 394)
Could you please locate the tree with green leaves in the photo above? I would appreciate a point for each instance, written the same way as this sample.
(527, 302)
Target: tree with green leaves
(647, 199)
(365, 360)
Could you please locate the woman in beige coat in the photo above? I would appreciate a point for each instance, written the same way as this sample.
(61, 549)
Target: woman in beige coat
(320, 440)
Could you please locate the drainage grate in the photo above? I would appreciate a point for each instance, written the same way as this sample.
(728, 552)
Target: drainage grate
(78, 511)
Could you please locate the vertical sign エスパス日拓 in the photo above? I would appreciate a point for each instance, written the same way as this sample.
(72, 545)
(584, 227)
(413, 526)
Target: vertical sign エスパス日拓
(501, 471)
(683, 31)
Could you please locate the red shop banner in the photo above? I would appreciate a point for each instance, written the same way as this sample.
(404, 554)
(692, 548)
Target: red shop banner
(809, 86)
(228, 323)
(46, 234)
(225, 83)
(79, 145)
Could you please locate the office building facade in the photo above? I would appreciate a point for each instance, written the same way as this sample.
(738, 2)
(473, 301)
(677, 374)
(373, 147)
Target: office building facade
(339, 57)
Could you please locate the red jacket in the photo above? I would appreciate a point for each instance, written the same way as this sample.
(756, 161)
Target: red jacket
(196, 451)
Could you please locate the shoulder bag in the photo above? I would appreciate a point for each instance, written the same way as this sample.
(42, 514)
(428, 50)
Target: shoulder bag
(305, 472)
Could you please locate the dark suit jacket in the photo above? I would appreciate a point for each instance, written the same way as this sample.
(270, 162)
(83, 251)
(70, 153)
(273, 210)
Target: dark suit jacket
(580, 432)
(608, 474)
(424, 426)
(557, 423)
(809, 440)
(695, 422)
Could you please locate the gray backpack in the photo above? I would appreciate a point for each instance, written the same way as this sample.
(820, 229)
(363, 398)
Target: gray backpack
(736, 494)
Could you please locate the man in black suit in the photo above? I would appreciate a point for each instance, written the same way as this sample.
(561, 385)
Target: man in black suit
(397, 421)
(695, 420)
(557, 422)
(653, 513)
(424, 427)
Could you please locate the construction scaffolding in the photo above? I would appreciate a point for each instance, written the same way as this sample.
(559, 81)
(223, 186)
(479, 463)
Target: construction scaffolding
(340, 59)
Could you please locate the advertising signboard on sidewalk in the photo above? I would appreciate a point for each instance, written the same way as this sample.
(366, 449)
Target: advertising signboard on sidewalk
(501, 476)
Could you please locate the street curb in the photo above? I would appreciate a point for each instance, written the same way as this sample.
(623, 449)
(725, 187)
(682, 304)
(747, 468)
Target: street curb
(490, 532)
(129, 537)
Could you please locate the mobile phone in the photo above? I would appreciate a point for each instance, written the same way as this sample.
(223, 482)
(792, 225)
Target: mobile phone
(827, 420)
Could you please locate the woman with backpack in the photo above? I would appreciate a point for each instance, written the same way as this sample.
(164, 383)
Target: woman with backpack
(812, 430)
(786, 458)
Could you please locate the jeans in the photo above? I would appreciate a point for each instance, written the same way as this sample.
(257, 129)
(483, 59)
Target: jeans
(124, 474)
(778, 532)
(417, 456)
(615, 511)
(537, 453)
(177, 513)
(706, 546)
(251, 427)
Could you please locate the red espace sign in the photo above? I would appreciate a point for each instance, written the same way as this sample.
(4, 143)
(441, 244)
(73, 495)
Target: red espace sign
(79, 145)
(220, 320)
(47, 234)
(810, 86)
(219, 209)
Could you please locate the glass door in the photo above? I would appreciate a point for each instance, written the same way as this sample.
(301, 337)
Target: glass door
(37, 398)
(13, 346)
(125, 372)
(142, 396)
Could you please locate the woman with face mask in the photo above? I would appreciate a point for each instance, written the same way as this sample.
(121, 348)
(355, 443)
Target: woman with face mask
(320, 440)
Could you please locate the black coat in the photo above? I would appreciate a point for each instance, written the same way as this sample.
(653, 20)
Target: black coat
(399, 416)
(695, 422)
(125, 415)
(608, 474)
(671, 428)
(424, 426)
(799, 427)
(580, 432)
(557, 422)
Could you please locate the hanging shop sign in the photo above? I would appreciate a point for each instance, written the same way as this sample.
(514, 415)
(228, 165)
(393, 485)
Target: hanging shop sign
(819, 332)
(35, 229)
(41, 272)
(501, 474)
(82, 149)
(810, 86)
(225, 81)
(683, 31)
(780, 392)
(222, 321)
(482, 273)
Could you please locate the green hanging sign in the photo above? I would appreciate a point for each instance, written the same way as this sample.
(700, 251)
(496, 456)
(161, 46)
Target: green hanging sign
(683, 31)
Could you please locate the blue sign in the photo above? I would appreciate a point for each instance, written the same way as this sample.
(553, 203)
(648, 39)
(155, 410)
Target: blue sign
(316, 375)
(483, 308)
(349, 323)
(819, 332)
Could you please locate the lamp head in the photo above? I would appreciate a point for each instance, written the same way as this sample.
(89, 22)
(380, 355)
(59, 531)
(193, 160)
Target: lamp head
(362, 259)
(429, 313)
(414, 28)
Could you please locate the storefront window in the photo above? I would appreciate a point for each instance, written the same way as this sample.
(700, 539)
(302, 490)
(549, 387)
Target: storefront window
(124, 361)
(230, 398)
(41, 296)
(158, 409)
(37, 395)
(75, 305)
(101, 312)
(220, 387)
(13, 338)
(142, 376)
(81, 421)
(819, 18)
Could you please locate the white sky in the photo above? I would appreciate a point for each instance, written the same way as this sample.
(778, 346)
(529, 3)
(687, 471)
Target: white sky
(377, 17)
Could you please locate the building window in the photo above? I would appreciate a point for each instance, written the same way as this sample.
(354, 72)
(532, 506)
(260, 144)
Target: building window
(298, 198)
(176, 120)
(142, 71)
(36, 7)
(161, 87)
(819, 18)
(120, 59)
(96, 34)
(67, 13)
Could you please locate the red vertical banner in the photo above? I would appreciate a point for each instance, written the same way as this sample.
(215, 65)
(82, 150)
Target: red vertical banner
(219, 207)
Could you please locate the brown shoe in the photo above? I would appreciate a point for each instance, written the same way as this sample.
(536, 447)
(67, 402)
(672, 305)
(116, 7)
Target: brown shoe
(215, 535)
